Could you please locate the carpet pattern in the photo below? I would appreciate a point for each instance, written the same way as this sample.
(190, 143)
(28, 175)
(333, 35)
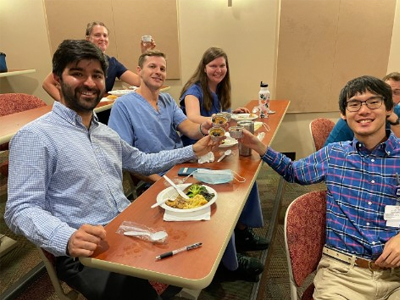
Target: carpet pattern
(25, 256)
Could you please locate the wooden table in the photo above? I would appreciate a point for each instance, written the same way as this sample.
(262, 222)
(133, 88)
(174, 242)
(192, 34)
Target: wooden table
(192, 269)
(10, 124)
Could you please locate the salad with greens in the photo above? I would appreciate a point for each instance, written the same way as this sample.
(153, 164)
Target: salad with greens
(198, 189)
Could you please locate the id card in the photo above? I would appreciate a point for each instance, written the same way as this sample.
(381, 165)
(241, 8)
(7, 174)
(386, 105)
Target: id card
(392, 215)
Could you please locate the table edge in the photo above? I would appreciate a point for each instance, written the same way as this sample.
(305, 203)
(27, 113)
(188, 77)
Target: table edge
(150, 275)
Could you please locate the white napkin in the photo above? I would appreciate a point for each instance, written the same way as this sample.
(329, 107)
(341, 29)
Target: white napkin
(202, 214)
(209, 157)
(257, 125)
(261, 136)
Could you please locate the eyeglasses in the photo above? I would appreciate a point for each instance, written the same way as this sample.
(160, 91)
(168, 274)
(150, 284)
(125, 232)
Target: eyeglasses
(372, 103)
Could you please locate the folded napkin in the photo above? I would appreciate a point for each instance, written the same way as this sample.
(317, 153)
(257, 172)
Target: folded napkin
(261, 136)
(257, 125)
(202, 214)
(209, 157)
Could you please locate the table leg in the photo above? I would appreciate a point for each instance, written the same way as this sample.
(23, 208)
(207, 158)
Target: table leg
(189, 294)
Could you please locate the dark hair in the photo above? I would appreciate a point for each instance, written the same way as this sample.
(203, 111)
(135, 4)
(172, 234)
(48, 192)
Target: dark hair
(224, 87)
(363, 84)
(70, 51)
(89, 27)
(143, 56)
(393, 76)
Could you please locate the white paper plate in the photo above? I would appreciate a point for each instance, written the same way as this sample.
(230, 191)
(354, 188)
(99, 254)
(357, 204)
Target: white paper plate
(172, 194)
(241, 117)
(120, 92)
(228, 142)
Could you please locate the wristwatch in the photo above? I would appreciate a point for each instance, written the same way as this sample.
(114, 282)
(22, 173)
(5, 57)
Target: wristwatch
(397, 122)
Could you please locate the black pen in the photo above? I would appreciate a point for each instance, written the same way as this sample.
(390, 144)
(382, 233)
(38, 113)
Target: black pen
(174, 252)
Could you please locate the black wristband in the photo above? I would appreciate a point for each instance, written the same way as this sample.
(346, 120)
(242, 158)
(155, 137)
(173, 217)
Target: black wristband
(397, 122)
(201, 131)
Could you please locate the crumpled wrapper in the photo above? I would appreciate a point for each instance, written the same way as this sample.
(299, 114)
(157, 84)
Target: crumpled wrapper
(207, 158)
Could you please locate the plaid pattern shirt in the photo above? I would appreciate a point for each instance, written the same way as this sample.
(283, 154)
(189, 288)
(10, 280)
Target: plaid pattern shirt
(360, 183)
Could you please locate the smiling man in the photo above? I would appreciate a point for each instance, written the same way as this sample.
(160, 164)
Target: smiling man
(148, 119)
(65, 176)
(342, 131)
(361, 258)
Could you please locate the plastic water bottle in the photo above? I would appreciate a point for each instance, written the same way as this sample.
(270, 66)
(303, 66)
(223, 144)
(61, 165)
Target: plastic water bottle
(263, 100)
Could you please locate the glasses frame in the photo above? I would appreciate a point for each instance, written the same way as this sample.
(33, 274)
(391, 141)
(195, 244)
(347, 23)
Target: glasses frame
(366, 103)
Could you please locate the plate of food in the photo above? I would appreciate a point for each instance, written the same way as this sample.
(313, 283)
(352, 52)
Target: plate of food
(200, 197)
(241, 117)
(228, 142)
(120, 92)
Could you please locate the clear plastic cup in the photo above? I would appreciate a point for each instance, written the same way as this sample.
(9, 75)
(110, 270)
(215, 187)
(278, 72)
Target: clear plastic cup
(228, 116)
(219, 120)
(216, 133)
(236, 131)
(147, 38)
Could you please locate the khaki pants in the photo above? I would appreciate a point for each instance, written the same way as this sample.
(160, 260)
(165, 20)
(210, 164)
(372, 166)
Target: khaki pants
(337, 280)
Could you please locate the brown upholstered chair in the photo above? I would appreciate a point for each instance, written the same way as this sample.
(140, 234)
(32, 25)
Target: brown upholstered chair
(13, 103)
(320, 129)
(305, 223)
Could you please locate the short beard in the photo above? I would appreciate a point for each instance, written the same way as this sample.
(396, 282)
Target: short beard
(73, 102)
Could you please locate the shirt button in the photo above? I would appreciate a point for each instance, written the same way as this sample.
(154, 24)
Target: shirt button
(367, 223)
(373, 243)
(372, 181)
(372, 160)
(369, 203)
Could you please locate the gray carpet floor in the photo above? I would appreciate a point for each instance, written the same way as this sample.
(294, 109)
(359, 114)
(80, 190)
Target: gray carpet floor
(24, 257)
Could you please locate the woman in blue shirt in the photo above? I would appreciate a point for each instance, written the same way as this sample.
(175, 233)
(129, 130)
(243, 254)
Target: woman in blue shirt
(208, 91)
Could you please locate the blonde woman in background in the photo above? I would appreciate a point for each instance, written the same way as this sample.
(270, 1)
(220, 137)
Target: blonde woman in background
(97, 33)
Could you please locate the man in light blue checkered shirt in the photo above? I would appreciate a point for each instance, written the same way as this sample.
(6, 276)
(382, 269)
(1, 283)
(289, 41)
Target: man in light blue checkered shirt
(65, 176)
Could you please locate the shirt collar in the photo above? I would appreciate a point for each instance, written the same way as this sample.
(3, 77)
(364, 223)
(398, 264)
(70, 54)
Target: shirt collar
(383, 149)
(71, 116)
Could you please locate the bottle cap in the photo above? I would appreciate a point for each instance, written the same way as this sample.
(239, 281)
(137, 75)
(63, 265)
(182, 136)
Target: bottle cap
(263, 84)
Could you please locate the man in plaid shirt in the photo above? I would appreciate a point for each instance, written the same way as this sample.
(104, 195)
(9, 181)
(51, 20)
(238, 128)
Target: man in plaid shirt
(361, 258)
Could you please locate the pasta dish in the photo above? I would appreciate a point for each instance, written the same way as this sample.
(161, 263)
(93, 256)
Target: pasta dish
(181, 203)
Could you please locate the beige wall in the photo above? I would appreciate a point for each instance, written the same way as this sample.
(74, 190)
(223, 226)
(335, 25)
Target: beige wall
(394, 57)
(247, 31)
(23, 37)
